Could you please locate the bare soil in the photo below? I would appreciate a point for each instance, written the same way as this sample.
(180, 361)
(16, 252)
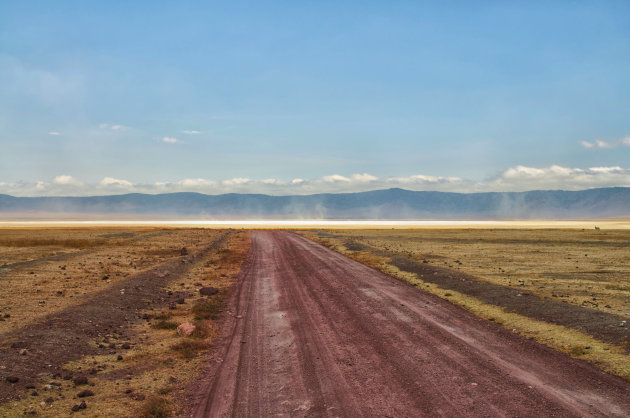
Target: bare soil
(70, 334)
(314, 333)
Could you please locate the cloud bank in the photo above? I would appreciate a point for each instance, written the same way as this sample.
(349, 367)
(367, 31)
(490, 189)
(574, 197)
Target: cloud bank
(599, 144)
(519, 178)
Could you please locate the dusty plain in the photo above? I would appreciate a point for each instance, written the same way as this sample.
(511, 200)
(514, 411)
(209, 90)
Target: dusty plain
(91, 309)
(90, 315)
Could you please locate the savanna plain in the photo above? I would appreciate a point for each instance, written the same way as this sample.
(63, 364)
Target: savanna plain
(89, 316)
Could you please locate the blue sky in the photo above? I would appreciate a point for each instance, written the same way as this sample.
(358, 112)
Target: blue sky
(108, 97)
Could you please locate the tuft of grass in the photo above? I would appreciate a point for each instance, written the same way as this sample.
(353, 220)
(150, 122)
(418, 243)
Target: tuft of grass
(165, 325)
(189, 348)
(157, 407)
(203, 329)
(163, 316)
(577, 351)
(209, 309)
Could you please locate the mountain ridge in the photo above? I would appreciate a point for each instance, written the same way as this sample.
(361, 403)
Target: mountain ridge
(394, 203)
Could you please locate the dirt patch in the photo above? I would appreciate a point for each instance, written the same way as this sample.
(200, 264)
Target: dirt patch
(601, 325)
(72, 333)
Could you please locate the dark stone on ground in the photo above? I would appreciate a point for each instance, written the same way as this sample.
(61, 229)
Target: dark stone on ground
(85, 393)
(208, 291)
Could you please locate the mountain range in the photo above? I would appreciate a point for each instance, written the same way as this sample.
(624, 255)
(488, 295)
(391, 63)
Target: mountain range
(379, 204)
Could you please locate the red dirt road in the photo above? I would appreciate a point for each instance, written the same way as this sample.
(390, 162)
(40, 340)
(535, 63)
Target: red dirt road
(317, 334)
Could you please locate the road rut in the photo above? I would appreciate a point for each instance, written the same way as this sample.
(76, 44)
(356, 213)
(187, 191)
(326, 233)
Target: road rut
(314, 333)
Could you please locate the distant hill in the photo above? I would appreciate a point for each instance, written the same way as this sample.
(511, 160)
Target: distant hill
(378, 204)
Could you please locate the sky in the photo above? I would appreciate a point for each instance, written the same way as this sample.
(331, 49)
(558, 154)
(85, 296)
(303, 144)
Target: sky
(286, 97)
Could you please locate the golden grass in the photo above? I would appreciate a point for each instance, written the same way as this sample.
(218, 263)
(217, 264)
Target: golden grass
(160, 364)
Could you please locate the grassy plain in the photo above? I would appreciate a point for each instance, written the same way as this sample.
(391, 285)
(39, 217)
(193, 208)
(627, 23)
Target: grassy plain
(104, 303)
(567, 288)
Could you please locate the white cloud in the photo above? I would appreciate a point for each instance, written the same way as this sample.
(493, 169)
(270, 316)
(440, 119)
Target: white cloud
(54, 133)
(66, 180)
(171, 140)
(557, 177)
(334, 178)
(110, 181)
(599, 144)
(191, 132)
(518, 178)
(113, 127)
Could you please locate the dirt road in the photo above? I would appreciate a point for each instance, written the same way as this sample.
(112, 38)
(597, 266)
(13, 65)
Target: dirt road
(314, 333)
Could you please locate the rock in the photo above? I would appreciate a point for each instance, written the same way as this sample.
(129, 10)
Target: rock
(208, 291)
(138, 397)
(23, 352)
(49, 400)
(119, 358)
(13, 379)
(181, 301)
(34, 393)
(183, 251)
(30, 386)
(185, 329)
(18, 344)
(82, 405)
(80, 380)
(85, 393)
(75, 408)
(125, 346)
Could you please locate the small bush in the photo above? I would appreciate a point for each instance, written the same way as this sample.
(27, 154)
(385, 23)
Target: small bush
(208, 309)
(165, 325)
(203, 329)
(189, 348)
(157, 407)
(163, 316)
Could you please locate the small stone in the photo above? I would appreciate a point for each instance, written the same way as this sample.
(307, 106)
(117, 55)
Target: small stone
(208, 291)
(85, 393)
(34, 393)
(119, 357)
(13, 379)
(49, 400)
(23, 352)
(75, 408)
(125, 346)
(80, 380)
(185, 329)
(183, 251)
(181, 301)
(138, 397)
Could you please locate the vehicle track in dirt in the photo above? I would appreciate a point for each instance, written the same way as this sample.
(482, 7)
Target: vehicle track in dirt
(314, 333)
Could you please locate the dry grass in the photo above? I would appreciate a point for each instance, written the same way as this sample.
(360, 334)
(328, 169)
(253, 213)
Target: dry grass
(541, 261)
(581, 267)
(153, 374)
(41, 285)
